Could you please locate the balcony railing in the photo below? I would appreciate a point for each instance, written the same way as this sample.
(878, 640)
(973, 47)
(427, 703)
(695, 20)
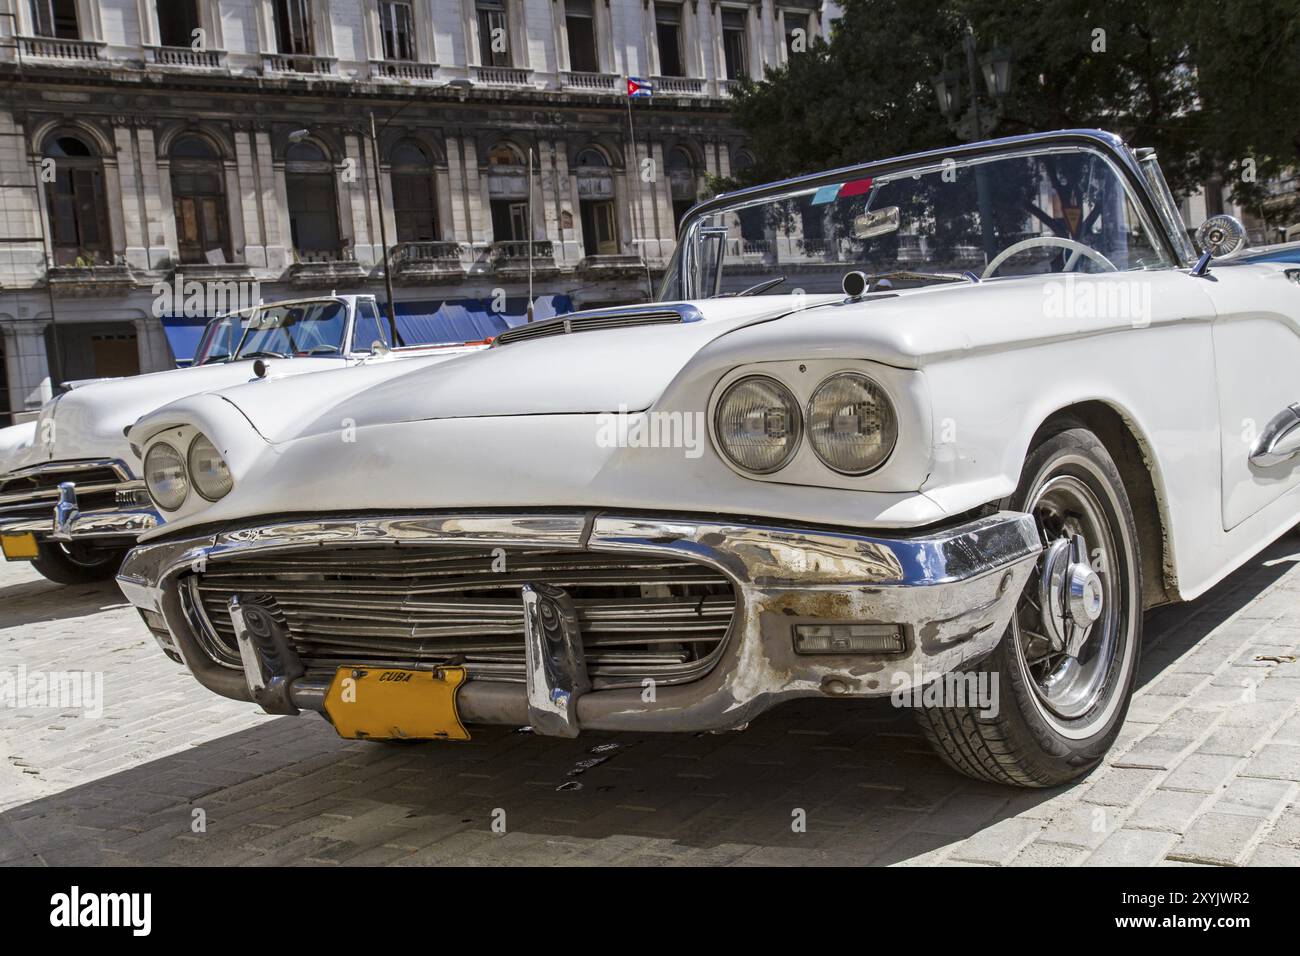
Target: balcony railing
(429, 251)
(678, 86)
(187, 58)
(592, 82)
(501, 76)
(404, 70)
(728, 87)
(301, 64)
(68, 51)
(517, 250)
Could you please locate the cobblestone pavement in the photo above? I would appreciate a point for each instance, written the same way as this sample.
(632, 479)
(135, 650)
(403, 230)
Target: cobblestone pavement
(1206, 770)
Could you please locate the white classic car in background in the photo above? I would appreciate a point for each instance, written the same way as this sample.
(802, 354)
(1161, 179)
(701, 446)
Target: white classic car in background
(71, 498)
(1030, 414)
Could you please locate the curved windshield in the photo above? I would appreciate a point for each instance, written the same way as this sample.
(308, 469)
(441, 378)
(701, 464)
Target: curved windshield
(303, 328)
(219, 340)
(1054, 209)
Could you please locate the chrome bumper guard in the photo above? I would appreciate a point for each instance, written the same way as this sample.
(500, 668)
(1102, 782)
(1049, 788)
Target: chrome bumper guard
(132, 517)
(950, 593)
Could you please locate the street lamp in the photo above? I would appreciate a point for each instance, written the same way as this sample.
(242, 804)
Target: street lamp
(996, 68)
(297, 136)
(947, 90)
(996, 65)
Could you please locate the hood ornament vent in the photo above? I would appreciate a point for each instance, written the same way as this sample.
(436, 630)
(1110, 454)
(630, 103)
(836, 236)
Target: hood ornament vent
(600, 319)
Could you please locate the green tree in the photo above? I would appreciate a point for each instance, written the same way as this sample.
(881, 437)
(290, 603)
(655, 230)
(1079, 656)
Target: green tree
(1208, 88)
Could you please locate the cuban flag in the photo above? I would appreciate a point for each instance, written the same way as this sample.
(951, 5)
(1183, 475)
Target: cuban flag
(638, 88)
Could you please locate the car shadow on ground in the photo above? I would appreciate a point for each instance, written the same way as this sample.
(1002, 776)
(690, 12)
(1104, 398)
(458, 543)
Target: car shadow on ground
(30, 602)
(815, 781)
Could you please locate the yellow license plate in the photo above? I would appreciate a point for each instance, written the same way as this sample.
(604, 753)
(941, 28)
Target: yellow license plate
(388, 704)
(19, 547)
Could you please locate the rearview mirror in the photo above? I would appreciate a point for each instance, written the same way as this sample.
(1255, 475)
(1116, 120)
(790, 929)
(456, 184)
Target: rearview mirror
(876, 223)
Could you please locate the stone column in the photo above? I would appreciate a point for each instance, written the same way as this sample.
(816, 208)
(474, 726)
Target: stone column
(152, 347)
(274, 201)
(245, 189)
(27, 365)
(123, 198)
(160, 220)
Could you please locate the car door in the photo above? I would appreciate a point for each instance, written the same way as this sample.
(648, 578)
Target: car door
(1257, 367)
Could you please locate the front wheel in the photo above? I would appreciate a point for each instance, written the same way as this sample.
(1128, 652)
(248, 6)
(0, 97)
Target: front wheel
(76, 563)
(1065, 668)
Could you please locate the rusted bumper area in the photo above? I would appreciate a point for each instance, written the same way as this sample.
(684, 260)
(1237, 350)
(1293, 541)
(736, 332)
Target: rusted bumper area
(818, 612)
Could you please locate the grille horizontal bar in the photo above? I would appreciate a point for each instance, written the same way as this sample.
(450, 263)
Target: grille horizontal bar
(641, 615)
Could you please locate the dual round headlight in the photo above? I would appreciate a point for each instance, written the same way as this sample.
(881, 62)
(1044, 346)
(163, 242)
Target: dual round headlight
(168, 476)
(851, 424)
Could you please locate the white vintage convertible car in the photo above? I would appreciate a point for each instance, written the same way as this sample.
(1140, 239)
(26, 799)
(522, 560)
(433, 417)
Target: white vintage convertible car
(71, 498)
(938, 428)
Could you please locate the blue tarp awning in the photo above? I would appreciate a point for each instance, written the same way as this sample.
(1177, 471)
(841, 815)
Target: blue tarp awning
(470, 320)
(183, 334)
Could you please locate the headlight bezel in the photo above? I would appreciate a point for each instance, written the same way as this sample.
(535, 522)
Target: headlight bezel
(796, 416)
(147, 470)
(193, 472)
(915, 452)
(887, 403)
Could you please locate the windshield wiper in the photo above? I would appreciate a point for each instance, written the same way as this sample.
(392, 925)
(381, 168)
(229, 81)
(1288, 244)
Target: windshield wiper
(756, 289)
(264, 353)
(322, 349)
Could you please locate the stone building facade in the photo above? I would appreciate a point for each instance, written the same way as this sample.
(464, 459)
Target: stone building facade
(152, 148)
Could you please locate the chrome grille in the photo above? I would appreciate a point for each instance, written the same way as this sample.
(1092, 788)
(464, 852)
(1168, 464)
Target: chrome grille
(35, 490)
(641, 615)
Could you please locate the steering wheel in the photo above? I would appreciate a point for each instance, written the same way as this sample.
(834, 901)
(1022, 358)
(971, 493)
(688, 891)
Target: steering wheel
(1058, 242)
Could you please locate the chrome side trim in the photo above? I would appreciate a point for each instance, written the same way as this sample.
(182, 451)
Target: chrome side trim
(1280, 440)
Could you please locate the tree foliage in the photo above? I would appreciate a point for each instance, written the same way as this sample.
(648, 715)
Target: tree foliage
(1206, 86)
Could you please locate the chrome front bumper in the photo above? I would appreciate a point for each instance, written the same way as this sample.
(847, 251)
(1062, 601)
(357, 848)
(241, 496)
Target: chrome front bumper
(55, 514)
(950, 592)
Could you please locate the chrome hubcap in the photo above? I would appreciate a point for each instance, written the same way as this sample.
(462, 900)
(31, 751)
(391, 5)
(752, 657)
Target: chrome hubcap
(1070, 594)
(1068, 622)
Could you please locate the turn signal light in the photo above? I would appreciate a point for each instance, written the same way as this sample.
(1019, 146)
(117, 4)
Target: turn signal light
(848, 639)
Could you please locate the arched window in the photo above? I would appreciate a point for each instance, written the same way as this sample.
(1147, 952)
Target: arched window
(313, 203)
(199, 200)
(78, 215)
(596, 202)
(591, 156)
(504, 154)
(414, 200)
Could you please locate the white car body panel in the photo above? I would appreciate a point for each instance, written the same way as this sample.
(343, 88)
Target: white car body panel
(519, 424)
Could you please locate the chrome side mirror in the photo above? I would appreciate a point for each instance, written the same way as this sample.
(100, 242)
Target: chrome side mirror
(1221, 236)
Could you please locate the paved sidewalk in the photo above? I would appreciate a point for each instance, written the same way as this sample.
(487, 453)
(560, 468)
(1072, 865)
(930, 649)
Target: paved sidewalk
(1206, 772)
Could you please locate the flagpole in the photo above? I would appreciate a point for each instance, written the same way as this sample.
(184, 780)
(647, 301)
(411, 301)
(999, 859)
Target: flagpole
(636, 174)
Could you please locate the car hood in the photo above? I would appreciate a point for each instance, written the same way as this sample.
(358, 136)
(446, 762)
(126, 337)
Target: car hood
(90, 421)
(606, 370)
